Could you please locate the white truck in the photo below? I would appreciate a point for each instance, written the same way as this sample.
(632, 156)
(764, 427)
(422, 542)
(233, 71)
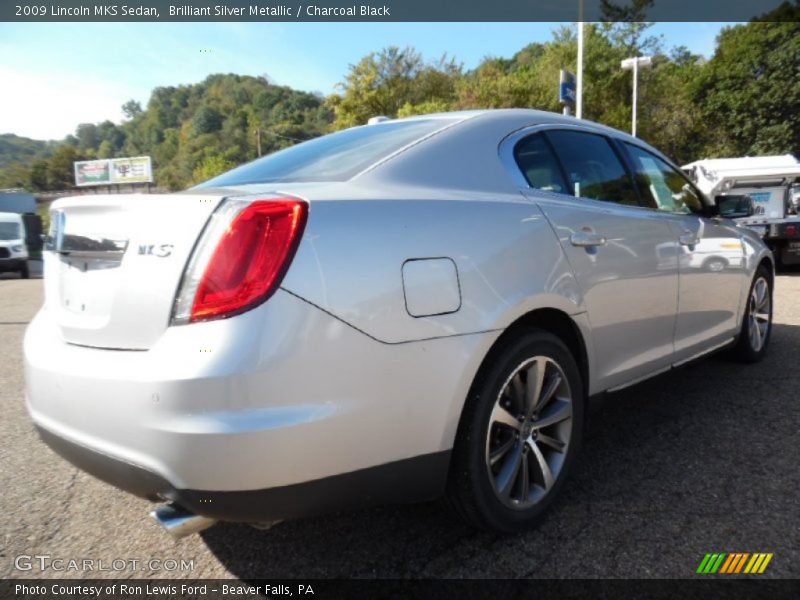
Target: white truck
(771, 182)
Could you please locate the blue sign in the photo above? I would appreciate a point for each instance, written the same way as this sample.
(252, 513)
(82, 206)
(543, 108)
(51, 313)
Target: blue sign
(566, 88)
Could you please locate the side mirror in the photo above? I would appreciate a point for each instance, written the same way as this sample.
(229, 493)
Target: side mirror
(734, 207)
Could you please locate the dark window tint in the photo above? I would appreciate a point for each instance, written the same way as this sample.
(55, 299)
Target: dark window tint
(593, 168)
(538, 165)
(662, 186)
(335, 157)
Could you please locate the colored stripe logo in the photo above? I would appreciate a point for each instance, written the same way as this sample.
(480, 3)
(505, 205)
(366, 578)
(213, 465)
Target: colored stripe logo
(733, 563)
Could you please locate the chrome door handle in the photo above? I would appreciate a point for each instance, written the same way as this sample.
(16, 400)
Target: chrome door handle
(587, 239)
(688, 238)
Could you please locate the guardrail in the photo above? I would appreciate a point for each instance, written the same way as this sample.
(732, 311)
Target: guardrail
(43, 197)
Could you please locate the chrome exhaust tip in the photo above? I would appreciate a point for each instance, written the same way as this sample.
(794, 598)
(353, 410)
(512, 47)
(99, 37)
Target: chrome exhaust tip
(179, 522)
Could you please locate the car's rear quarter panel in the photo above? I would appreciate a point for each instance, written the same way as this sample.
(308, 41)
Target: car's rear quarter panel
(508, 260)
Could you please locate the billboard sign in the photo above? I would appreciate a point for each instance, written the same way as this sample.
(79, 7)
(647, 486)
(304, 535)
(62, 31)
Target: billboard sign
(113, 171)
(92, 172)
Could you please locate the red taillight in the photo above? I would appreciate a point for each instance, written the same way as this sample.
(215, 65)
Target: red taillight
(791, 230)
(250, 259)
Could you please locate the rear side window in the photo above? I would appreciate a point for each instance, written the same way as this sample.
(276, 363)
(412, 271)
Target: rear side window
(538, 165)
(663, 187)
(593, 168)
(335, 157)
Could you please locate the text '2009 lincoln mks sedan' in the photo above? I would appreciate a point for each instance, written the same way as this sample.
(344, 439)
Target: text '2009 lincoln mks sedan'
(389, 313)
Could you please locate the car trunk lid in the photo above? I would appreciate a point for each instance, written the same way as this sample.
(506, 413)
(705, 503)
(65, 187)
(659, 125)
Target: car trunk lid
(114, 262)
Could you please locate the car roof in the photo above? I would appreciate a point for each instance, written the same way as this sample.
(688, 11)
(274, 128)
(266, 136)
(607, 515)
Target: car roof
(512, 119)
(529, 116)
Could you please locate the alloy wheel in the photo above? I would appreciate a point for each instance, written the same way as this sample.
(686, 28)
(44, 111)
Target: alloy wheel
(529, 432)
(759, 313)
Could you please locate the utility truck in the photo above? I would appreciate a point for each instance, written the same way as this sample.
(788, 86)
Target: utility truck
(771, 182)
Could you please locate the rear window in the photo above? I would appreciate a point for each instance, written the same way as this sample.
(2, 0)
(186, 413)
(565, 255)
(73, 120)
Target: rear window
(538, 165)
(335, 157)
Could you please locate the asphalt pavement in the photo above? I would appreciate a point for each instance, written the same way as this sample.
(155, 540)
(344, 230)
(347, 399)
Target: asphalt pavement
(703, 459)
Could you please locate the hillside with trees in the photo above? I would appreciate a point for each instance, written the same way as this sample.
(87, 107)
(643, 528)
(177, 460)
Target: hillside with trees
(15, 149)
(192, 132)
(17, 154)
(744, 100)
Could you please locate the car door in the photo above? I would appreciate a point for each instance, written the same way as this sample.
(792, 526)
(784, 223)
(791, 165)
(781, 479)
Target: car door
(623, 256)
(711, 260)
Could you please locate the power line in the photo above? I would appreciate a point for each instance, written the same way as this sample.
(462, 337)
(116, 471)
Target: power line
(285, 137)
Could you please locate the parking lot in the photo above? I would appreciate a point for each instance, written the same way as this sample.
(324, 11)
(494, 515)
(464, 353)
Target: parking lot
(703, 459)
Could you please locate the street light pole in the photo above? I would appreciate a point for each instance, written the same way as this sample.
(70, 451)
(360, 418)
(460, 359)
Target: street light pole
(633, 64)
(579, 82)
(635, 95)
(579, 78)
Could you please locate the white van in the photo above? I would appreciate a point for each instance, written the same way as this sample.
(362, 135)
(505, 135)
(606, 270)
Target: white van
(13, 253)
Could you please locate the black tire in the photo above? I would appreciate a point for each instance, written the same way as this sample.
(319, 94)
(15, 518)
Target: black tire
(471, 487)
(744, 350)
(24, 271)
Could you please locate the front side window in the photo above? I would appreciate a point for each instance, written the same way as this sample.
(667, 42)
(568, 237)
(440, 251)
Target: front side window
(663, 187)
(538, 165)
(593, 168)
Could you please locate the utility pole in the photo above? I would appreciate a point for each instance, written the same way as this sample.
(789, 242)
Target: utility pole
(579, 79)
(633, 64)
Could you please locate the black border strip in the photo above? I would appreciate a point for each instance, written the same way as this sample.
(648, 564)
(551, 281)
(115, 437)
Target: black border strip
(395, 10)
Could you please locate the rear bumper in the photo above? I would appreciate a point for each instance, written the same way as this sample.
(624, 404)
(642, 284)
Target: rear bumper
(790, 252)
(241, 419)
(411, 480)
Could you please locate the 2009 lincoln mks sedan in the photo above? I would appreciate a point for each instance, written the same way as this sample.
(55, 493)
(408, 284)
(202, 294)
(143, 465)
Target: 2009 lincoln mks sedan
(390, 313)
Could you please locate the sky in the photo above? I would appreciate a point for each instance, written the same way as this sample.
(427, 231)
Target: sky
(54, 76)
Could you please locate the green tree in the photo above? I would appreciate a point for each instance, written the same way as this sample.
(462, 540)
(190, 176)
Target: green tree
(131, 109)
(383, 82)
(87, 136)
(211, 167)
(749, 92)
(16, 175)
(626, 25)
(37, 177)
(106, 150)
(423, 108)
(60, 168)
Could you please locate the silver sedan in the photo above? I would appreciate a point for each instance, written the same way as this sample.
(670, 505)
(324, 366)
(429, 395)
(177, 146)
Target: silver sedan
(389, 313)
